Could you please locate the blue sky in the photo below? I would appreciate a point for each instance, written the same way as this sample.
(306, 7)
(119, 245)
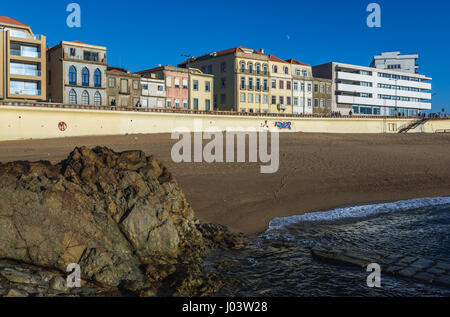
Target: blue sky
(143, 34)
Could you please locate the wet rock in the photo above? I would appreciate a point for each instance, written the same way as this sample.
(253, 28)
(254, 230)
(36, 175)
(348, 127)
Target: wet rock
(16, 293)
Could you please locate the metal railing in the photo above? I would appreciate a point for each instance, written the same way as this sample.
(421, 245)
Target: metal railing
(195, 112)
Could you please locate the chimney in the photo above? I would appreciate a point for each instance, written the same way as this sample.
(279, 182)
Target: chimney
(262, 51)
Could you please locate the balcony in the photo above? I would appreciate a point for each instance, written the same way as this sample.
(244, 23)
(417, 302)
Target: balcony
(25, 72)
(25, 53)
(27, 92)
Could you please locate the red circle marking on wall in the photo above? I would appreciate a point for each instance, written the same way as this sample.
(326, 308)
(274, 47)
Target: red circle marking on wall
(62, 126)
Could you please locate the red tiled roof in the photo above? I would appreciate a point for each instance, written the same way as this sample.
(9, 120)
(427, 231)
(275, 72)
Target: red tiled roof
(151, 70)
(276, 59)
(79, 42)
(233, 50)
(296, 62)
(9, 20)
(116, 69)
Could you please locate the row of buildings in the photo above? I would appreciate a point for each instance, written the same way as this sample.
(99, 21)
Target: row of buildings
(238, 79)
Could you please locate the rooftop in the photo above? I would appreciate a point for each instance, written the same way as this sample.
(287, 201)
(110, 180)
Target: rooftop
(8, 20)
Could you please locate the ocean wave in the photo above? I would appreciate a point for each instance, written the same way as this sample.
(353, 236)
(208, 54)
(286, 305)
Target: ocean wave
(360, 211)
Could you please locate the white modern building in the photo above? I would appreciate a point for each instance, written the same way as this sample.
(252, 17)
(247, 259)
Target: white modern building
(396, 61)
(372, 91)
(302, 82)
(153, 92)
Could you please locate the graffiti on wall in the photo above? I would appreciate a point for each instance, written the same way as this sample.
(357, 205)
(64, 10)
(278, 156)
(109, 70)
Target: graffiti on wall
(62, 126)
(283, 125)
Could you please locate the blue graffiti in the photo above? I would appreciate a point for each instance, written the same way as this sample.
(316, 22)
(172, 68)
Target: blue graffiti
(283, 125)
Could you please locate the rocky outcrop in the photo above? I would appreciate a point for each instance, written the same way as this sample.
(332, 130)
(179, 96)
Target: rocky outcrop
(120, 216)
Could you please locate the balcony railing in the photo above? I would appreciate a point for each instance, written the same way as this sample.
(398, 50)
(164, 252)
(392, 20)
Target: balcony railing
(25, 72)
(28, 92)
(23, 53)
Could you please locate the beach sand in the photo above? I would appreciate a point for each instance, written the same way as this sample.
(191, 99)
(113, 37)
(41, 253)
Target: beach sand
(317, 172)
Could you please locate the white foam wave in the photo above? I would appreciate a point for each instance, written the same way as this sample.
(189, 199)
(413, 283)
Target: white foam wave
(359, 211)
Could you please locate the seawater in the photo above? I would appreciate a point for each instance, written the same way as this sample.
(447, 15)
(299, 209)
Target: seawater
(278, 262)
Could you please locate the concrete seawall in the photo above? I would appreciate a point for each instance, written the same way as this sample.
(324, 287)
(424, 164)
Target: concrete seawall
(18, 123)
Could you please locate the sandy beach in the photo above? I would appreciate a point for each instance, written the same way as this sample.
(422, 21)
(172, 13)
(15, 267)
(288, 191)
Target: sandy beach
(317, 172)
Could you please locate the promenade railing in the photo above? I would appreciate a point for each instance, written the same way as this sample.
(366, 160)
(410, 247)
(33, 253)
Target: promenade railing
(198, 112)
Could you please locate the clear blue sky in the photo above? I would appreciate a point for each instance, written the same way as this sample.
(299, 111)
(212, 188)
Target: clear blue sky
(143, 34)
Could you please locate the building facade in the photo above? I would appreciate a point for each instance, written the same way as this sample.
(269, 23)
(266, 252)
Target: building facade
(153, 94)
(280, 86)
(302, 83)
(23, 62)
(396, 61)
(241, 78)
(177, 84)
(123, 88)
(201, 87)
(77, 73)
(372, 91)
(322, 96)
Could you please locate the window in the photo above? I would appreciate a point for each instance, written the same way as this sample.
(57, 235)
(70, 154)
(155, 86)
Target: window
(281, 100)
(274, 100)
(185, 104)
(160, 88)
(322, 89)
(250, 97)
(275, 69)
(265, 99)
(250, 83)
(97, 78)
(265, 69)
(305, 73)
(286, 70)
(145, 87)
(242, 97)
(72, 75)
(258, 98)
(207, 86)
(90, 56)
(258, 83)
(72, 52)
(316, 88)
(302, 86)
(288, 100)
(295, 85)
(295, 101)
(242, 67)
(177, 103)
(85, 98)
(274, 83)
(169, 81)
(195, 104)
(195, 85)
(85, 77)
(250, 68)
(322, 104)
(242, 82)
(316, 102)
(309, 87)
(266, 85)
(281, 84)
(124, 86)
(223, 67)
(328, 89)
(288, 85)
(177, 82)
(72, 97)
(135, 85)
(185, 83)
(309, 102)
(297, 72)
(258, 68)
(329, 103)
(97, 99)
(169, 103)
(112, 83)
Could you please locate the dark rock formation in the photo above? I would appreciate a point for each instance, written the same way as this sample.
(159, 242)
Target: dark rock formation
(120, 216)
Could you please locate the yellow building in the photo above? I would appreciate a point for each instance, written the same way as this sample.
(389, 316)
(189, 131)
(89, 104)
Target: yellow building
(23, 62)
(201, 87)
(241, 78)
(280, 86)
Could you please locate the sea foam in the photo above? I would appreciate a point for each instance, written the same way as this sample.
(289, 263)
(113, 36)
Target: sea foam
(359, 211)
